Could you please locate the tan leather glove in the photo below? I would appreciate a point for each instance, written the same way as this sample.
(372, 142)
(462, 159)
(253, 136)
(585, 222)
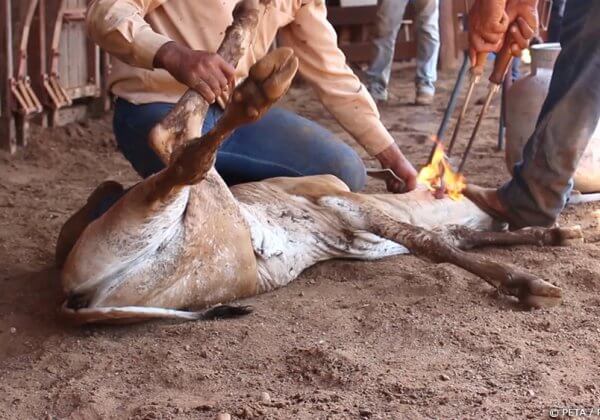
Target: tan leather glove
(488, 23)
(523, 20)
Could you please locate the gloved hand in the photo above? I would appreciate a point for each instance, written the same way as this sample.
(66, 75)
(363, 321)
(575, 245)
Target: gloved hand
(491, 20)
(523, 20)
(488, 23)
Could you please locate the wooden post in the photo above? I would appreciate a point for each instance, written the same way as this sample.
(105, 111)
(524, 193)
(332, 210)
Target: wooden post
(8, 137)
(449, 56)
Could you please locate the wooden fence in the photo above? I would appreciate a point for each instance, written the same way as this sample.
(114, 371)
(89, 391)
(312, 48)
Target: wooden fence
(50, 72)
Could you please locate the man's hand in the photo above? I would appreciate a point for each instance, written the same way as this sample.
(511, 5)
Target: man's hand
(523, 19)
(393, 159)
(488, 22)
(206, 73)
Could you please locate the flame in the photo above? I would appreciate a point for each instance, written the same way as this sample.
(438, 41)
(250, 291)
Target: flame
(439, 175)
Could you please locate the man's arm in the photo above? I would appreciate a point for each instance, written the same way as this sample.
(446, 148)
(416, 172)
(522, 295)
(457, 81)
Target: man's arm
(323, 64)
(119, 27)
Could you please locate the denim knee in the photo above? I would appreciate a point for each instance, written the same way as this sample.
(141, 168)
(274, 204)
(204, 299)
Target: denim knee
(349, 167)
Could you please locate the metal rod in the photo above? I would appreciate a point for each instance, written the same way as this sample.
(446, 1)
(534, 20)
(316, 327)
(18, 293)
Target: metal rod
(451, 103)
(578, 198)
(492, 90)
(463, 111)
(501, 126)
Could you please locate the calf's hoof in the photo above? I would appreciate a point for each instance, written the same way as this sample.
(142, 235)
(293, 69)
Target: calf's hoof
(535, 293)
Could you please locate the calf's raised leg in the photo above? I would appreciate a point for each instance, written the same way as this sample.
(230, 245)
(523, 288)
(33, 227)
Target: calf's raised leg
(184, 121)
(180, 125)
(125, 265)
(267, 81)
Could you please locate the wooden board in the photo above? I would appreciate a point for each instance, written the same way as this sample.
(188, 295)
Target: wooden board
(8, 139)
(356, 27)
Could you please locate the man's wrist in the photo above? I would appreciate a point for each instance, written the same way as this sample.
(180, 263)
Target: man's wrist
(389, 155)
(145, 46)
(167, 55)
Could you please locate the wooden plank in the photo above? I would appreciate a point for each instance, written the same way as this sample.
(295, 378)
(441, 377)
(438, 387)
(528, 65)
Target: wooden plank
(355, 28)
(8, 138)
(80, 61)
(448, 53)
(461, 39)
(362, 15)
(74, 113)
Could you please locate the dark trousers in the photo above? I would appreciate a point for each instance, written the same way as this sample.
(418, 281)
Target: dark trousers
(543, 179)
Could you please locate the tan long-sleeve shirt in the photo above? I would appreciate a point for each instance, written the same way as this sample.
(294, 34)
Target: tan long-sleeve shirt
(134, 30)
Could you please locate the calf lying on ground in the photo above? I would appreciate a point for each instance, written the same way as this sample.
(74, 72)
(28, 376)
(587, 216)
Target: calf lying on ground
(183, 239)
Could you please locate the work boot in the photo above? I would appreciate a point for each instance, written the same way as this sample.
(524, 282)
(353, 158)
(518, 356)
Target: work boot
(423, 98)
(378, 92)
(488, 200)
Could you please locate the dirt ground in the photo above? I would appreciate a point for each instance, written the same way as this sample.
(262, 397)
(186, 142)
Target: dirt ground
(398, 338)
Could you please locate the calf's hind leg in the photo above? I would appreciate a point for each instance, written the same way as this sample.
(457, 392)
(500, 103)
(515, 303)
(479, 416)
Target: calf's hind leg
(267, 81)
(445, 246)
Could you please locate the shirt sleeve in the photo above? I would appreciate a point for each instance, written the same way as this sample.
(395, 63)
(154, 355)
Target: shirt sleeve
(323, 64)
(118, 26)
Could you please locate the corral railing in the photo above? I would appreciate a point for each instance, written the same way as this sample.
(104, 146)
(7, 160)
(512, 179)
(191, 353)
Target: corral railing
(50, 72)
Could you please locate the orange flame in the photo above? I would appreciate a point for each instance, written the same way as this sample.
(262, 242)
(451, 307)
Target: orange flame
(439, 175)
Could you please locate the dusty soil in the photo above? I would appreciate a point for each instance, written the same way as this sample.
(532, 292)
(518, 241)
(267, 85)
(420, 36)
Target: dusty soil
(399, 338)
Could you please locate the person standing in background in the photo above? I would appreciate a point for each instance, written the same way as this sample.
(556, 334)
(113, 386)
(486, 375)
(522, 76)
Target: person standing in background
(389, 21)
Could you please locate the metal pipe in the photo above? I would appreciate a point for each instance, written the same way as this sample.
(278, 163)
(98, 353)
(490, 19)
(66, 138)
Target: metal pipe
(451, 103)
(492, 90)
(463, 111)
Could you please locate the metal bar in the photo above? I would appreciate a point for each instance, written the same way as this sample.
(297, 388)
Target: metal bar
(26, 30)
(8, 138)
(501, 131)
(451, 103)
(54, 46)
(10, 70)
(492, 90)
(545, 14)
(463, 112)
(579, 198)
(27, 102)
(501, 122)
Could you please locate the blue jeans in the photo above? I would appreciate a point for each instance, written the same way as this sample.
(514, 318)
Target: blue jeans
(389, 21)
(542, 181)
(279, 144)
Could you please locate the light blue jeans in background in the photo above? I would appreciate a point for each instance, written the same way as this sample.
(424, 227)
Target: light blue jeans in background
(389, 21)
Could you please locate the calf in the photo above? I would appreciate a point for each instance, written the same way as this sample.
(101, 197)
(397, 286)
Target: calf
(181, 239)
